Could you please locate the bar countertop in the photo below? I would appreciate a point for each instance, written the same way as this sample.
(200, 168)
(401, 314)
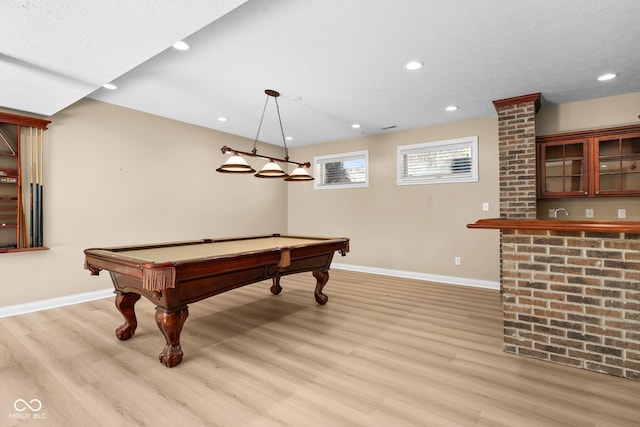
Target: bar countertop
(558, 225)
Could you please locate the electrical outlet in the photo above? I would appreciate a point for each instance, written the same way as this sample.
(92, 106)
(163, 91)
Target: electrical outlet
(485, 206)
(456, 260)
(552, 213)
(622, 213)
(588, 213)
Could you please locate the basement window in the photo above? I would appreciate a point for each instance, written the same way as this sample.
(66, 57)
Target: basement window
(452, 160)
(346, 170)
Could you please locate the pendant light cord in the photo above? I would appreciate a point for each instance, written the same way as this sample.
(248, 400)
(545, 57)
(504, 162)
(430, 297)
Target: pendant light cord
(274, 94)
(284, 141)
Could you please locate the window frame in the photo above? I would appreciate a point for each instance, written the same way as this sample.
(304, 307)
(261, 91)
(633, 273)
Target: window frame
(456, 143)
(321, 160)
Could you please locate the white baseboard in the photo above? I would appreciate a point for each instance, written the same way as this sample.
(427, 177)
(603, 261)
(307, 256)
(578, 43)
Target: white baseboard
(30, 307)
(419, 276)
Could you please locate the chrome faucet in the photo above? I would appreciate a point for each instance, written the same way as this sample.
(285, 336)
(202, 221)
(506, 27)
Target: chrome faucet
(555, 213)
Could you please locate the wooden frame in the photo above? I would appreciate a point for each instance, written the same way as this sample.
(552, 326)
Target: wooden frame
(28, 178)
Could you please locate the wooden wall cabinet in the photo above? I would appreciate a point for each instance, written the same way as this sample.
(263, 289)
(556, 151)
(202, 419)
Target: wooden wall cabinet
(595, 163)
(21, 183)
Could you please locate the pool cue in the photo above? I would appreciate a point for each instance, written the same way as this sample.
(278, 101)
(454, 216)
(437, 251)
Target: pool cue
(36, 210)
(40, 146)
(24, 231)
(20, 201)
(34, 241)
(31, 198)
(36, 171)
(38, 204)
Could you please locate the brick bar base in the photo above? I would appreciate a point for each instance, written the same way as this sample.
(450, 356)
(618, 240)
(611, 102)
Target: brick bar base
(573, 298)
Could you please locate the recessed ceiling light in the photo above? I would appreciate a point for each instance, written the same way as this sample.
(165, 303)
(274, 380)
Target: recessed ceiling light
(289, 138)
(452, 108)
(181, 45)
(355, 126)
(110, 86)
(222, 119)
(413, 65)
(608, 76)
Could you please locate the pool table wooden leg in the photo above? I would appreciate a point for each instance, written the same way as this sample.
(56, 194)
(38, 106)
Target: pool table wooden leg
(276, 288)
(170, 323)
(322, 277)
(125, 303)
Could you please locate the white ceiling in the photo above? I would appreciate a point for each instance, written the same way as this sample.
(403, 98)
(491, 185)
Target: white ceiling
(335, 62)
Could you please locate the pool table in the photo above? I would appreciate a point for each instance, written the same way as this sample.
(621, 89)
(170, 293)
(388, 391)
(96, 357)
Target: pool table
(173, 275)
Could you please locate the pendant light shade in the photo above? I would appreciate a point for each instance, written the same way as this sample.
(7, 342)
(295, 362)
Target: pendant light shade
(271, 170)
(299, 174)
(236, 164)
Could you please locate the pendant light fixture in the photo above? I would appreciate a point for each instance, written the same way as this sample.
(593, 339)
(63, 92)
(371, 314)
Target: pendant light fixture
(237, 164)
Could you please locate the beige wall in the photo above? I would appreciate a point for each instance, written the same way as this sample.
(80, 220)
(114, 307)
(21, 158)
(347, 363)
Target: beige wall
(593, 114)
(115, 176)
(411, 228)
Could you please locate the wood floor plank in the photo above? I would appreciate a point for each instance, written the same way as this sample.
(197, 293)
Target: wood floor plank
(383, 352)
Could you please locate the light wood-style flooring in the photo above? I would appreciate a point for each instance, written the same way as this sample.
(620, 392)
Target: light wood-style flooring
(383, 352)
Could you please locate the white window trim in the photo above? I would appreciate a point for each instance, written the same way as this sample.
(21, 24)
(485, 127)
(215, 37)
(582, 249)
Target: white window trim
(317, 159)
(471, 140)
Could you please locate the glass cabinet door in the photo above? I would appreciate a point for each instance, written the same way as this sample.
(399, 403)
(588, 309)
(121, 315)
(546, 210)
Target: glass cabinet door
(618, 170)
(564, 169)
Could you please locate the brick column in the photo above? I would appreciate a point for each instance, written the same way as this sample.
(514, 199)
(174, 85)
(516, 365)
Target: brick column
(517, 151)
